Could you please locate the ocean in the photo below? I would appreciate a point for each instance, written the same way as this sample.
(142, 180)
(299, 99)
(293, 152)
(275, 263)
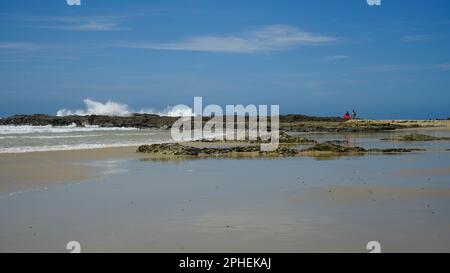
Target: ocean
(25, 138)
(22, 139)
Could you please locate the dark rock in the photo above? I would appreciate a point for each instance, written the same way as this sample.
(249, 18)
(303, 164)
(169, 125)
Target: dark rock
(134, 121)
(283, 151)
(338, 142)
(393, 150)
(416, 137)
(330, 147)
(291, 123)
(168, 149)
(303, 118)
(176, 149)
(349, 127)
(285, 138)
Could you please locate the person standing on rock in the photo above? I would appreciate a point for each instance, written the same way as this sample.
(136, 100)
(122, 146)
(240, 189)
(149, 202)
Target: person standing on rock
(354, 115)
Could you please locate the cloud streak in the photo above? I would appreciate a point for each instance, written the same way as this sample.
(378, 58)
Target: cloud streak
(268, 38)
(337, 57)
(71, 23)
(26, 46)
(406, 67)
(416, 38)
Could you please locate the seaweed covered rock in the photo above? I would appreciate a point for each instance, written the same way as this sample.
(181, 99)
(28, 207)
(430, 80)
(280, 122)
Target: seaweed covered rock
(353, 126)
(286, 138)
(183, 150)
(175, 149)
(283, 151)
(168, 149)
(416, 137)
(334, 148)
(394, 150)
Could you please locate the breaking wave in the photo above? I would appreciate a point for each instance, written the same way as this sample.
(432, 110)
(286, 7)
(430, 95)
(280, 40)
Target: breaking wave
(111, 108)
(28, 129)
(49, 148)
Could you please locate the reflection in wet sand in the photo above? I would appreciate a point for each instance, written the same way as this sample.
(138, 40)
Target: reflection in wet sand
(360, 195)
(424, 171)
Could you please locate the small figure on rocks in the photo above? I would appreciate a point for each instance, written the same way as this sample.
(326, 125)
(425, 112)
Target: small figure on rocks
(347, 116)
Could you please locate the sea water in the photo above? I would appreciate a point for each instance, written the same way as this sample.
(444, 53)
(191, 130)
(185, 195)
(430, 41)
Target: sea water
(21, 139)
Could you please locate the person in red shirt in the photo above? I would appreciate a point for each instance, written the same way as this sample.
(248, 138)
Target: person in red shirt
(347, 116)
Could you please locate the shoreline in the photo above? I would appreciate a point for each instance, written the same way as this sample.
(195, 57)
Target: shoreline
(360, 124)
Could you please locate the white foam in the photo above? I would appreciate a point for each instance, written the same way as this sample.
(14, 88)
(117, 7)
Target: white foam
(28, 129)
(30, 149)
(66, 136)
(111, 108)
(169, 111)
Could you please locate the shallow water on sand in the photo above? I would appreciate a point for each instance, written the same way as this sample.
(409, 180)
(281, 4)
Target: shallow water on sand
(245, 205)
(374, 139)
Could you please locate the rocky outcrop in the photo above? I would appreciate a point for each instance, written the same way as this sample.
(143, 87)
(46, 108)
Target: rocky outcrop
(334, 148)
(416, 137)
(302, 118)
(175, 149)
(331, 147)
(134, 121)
(42, 120)
(395, 150)
(342, 127)
(290, 123)
(168, 149)
(284, 138)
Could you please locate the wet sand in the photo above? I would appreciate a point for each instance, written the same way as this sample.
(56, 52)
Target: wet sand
(23, 171)
(246, 205)
(367, 195)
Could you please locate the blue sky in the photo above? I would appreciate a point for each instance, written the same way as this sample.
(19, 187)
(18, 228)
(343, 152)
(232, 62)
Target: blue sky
(317, 57)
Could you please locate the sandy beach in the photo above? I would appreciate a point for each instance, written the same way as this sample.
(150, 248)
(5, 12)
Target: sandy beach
(22, 171)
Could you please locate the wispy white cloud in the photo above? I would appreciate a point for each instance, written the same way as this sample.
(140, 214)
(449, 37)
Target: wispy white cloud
(416, 38)
(406, 67)
(73, 23)
(25, 46)
(268, 38)
(392, 68)
(47, 47)
(336, 57)
(88, 26)
(444, 66)
(15, 45)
